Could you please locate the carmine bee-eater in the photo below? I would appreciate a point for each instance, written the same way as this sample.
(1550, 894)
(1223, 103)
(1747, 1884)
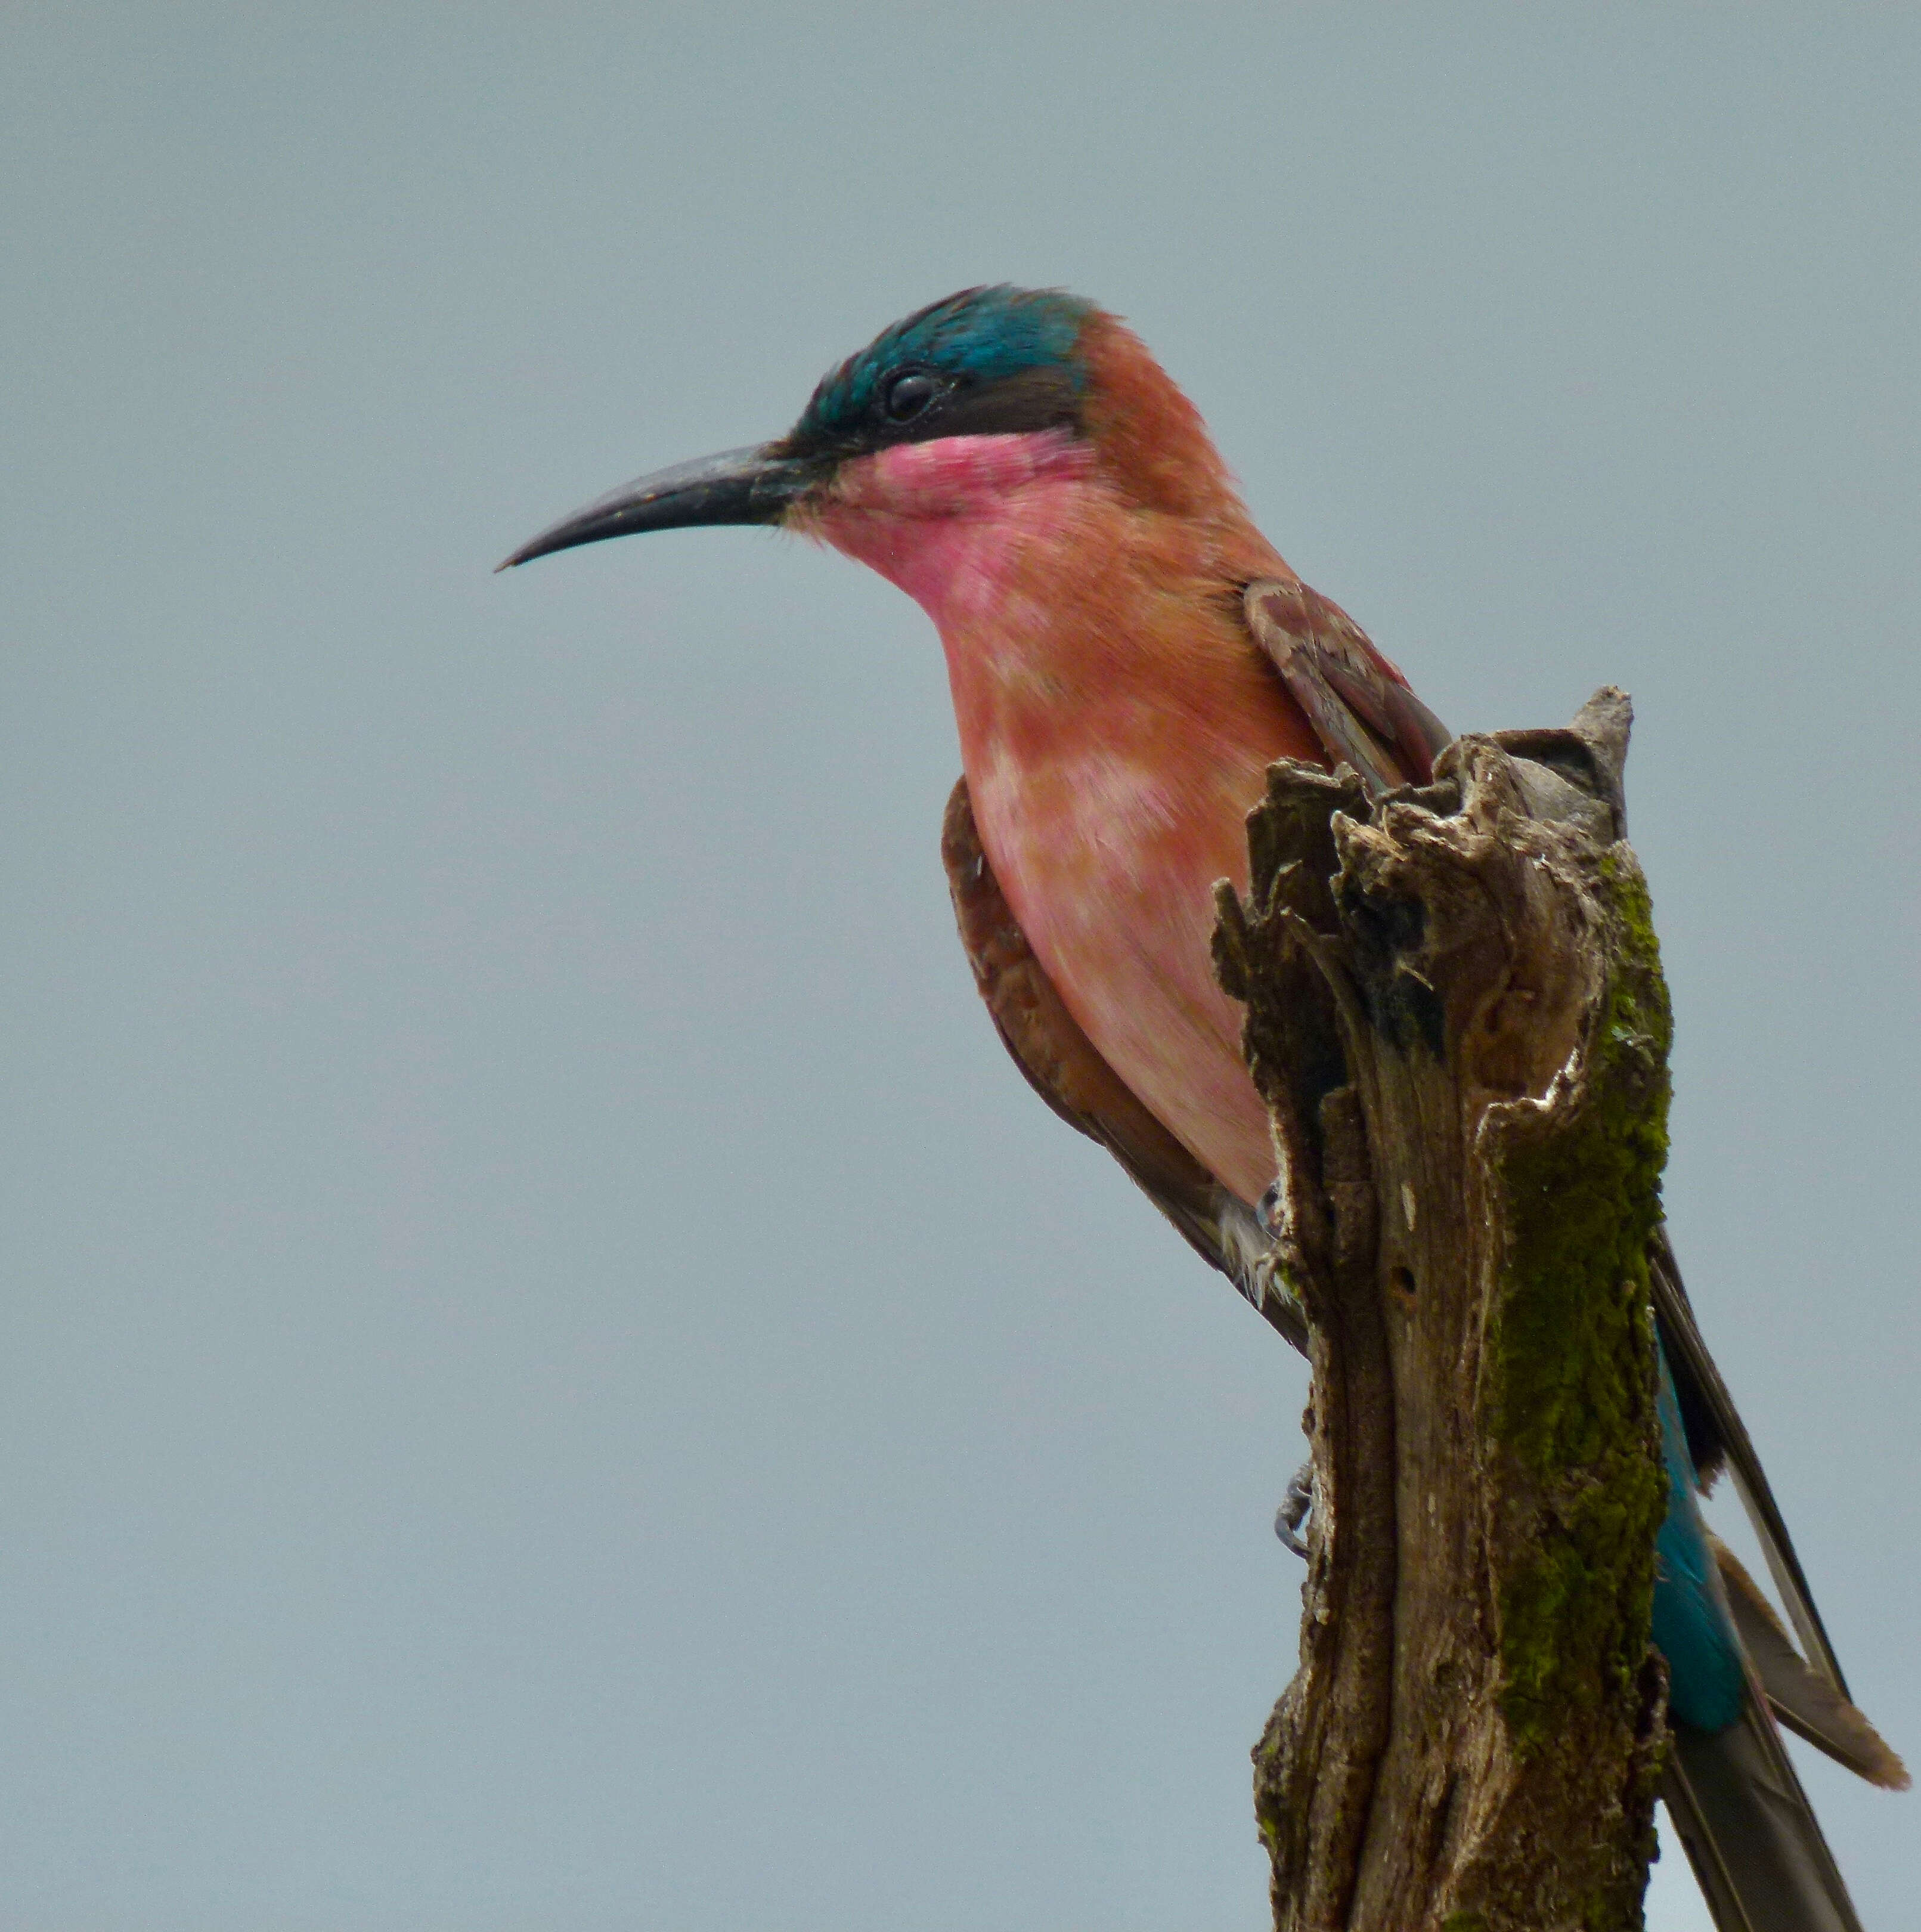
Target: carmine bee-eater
(1127, 654)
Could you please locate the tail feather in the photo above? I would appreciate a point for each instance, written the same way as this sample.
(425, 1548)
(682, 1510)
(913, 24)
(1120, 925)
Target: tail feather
(1749, 1832)
(1801, 1698)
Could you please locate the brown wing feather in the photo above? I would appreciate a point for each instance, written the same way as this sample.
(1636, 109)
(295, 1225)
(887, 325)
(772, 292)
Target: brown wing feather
(1065, 1068)
(1800, 1696)
(1718, 1435)
(1359, 706)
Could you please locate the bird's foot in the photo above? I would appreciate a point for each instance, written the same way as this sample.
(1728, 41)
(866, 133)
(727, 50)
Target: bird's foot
(1267, 1280)
(1295, 1507)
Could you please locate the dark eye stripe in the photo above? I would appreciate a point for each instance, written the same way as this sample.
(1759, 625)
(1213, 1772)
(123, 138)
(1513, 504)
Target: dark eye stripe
(951, 404)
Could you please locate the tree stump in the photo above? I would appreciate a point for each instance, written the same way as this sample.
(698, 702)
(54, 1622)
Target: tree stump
(1456, 1014)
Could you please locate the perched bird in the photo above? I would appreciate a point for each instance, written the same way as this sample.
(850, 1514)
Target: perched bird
(1127, 654)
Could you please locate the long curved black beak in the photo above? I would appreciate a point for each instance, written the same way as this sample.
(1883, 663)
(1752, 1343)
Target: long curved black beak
(739, 486)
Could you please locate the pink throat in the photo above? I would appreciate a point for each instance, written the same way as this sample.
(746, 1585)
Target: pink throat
(1109, 797)
(950, 521)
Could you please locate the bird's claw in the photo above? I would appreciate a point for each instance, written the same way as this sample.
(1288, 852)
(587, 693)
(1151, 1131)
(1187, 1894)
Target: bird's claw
(1296, 1506)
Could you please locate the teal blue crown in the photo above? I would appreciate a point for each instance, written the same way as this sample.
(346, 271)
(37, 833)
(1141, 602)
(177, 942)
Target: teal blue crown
(982, 335)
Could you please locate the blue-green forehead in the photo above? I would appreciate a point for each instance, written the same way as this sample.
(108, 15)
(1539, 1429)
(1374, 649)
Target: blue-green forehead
(982, 334)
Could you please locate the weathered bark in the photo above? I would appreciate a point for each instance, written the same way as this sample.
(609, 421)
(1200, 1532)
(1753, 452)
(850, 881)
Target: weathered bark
(1456, 1013)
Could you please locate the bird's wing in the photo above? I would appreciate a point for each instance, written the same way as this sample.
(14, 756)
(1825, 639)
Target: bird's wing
(1359, 705)
(1717, 1438)
(1063, 1066)
(1800, 1696)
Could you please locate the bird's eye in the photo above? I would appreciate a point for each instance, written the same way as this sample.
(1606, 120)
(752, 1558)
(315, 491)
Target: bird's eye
(908, 395)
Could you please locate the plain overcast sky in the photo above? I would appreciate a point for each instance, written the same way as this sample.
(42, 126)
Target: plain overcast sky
(553, 1376)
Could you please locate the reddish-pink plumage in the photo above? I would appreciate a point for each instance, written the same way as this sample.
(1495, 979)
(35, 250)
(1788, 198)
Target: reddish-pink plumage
(1115, 718)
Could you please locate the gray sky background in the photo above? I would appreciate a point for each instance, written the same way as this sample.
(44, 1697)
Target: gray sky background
(554, 1376)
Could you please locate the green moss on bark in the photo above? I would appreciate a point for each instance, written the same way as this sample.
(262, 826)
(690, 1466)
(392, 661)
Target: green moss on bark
(1572, 1392)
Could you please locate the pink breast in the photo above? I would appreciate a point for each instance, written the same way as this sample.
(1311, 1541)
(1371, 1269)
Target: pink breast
(1108, 858)
(1107, 813)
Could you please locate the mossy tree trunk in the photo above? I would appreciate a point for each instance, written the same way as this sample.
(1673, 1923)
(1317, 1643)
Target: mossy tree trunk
(1456, 1013)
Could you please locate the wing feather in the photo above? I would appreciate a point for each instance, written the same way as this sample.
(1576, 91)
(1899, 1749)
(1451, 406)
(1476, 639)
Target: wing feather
(1718, 1437)
(1359, 705)
(1800, 1696)
(1063, 1066)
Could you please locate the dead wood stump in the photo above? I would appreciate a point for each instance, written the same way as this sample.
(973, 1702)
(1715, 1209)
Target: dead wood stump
(1456, 1014)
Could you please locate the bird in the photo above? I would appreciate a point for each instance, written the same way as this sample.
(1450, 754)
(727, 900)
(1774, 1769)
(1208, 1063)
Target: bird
(1127, 656)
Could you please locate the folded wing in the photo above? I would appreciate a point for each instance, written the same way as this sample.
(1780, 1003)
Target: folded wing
(1063, 1066)
(1359, 705)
